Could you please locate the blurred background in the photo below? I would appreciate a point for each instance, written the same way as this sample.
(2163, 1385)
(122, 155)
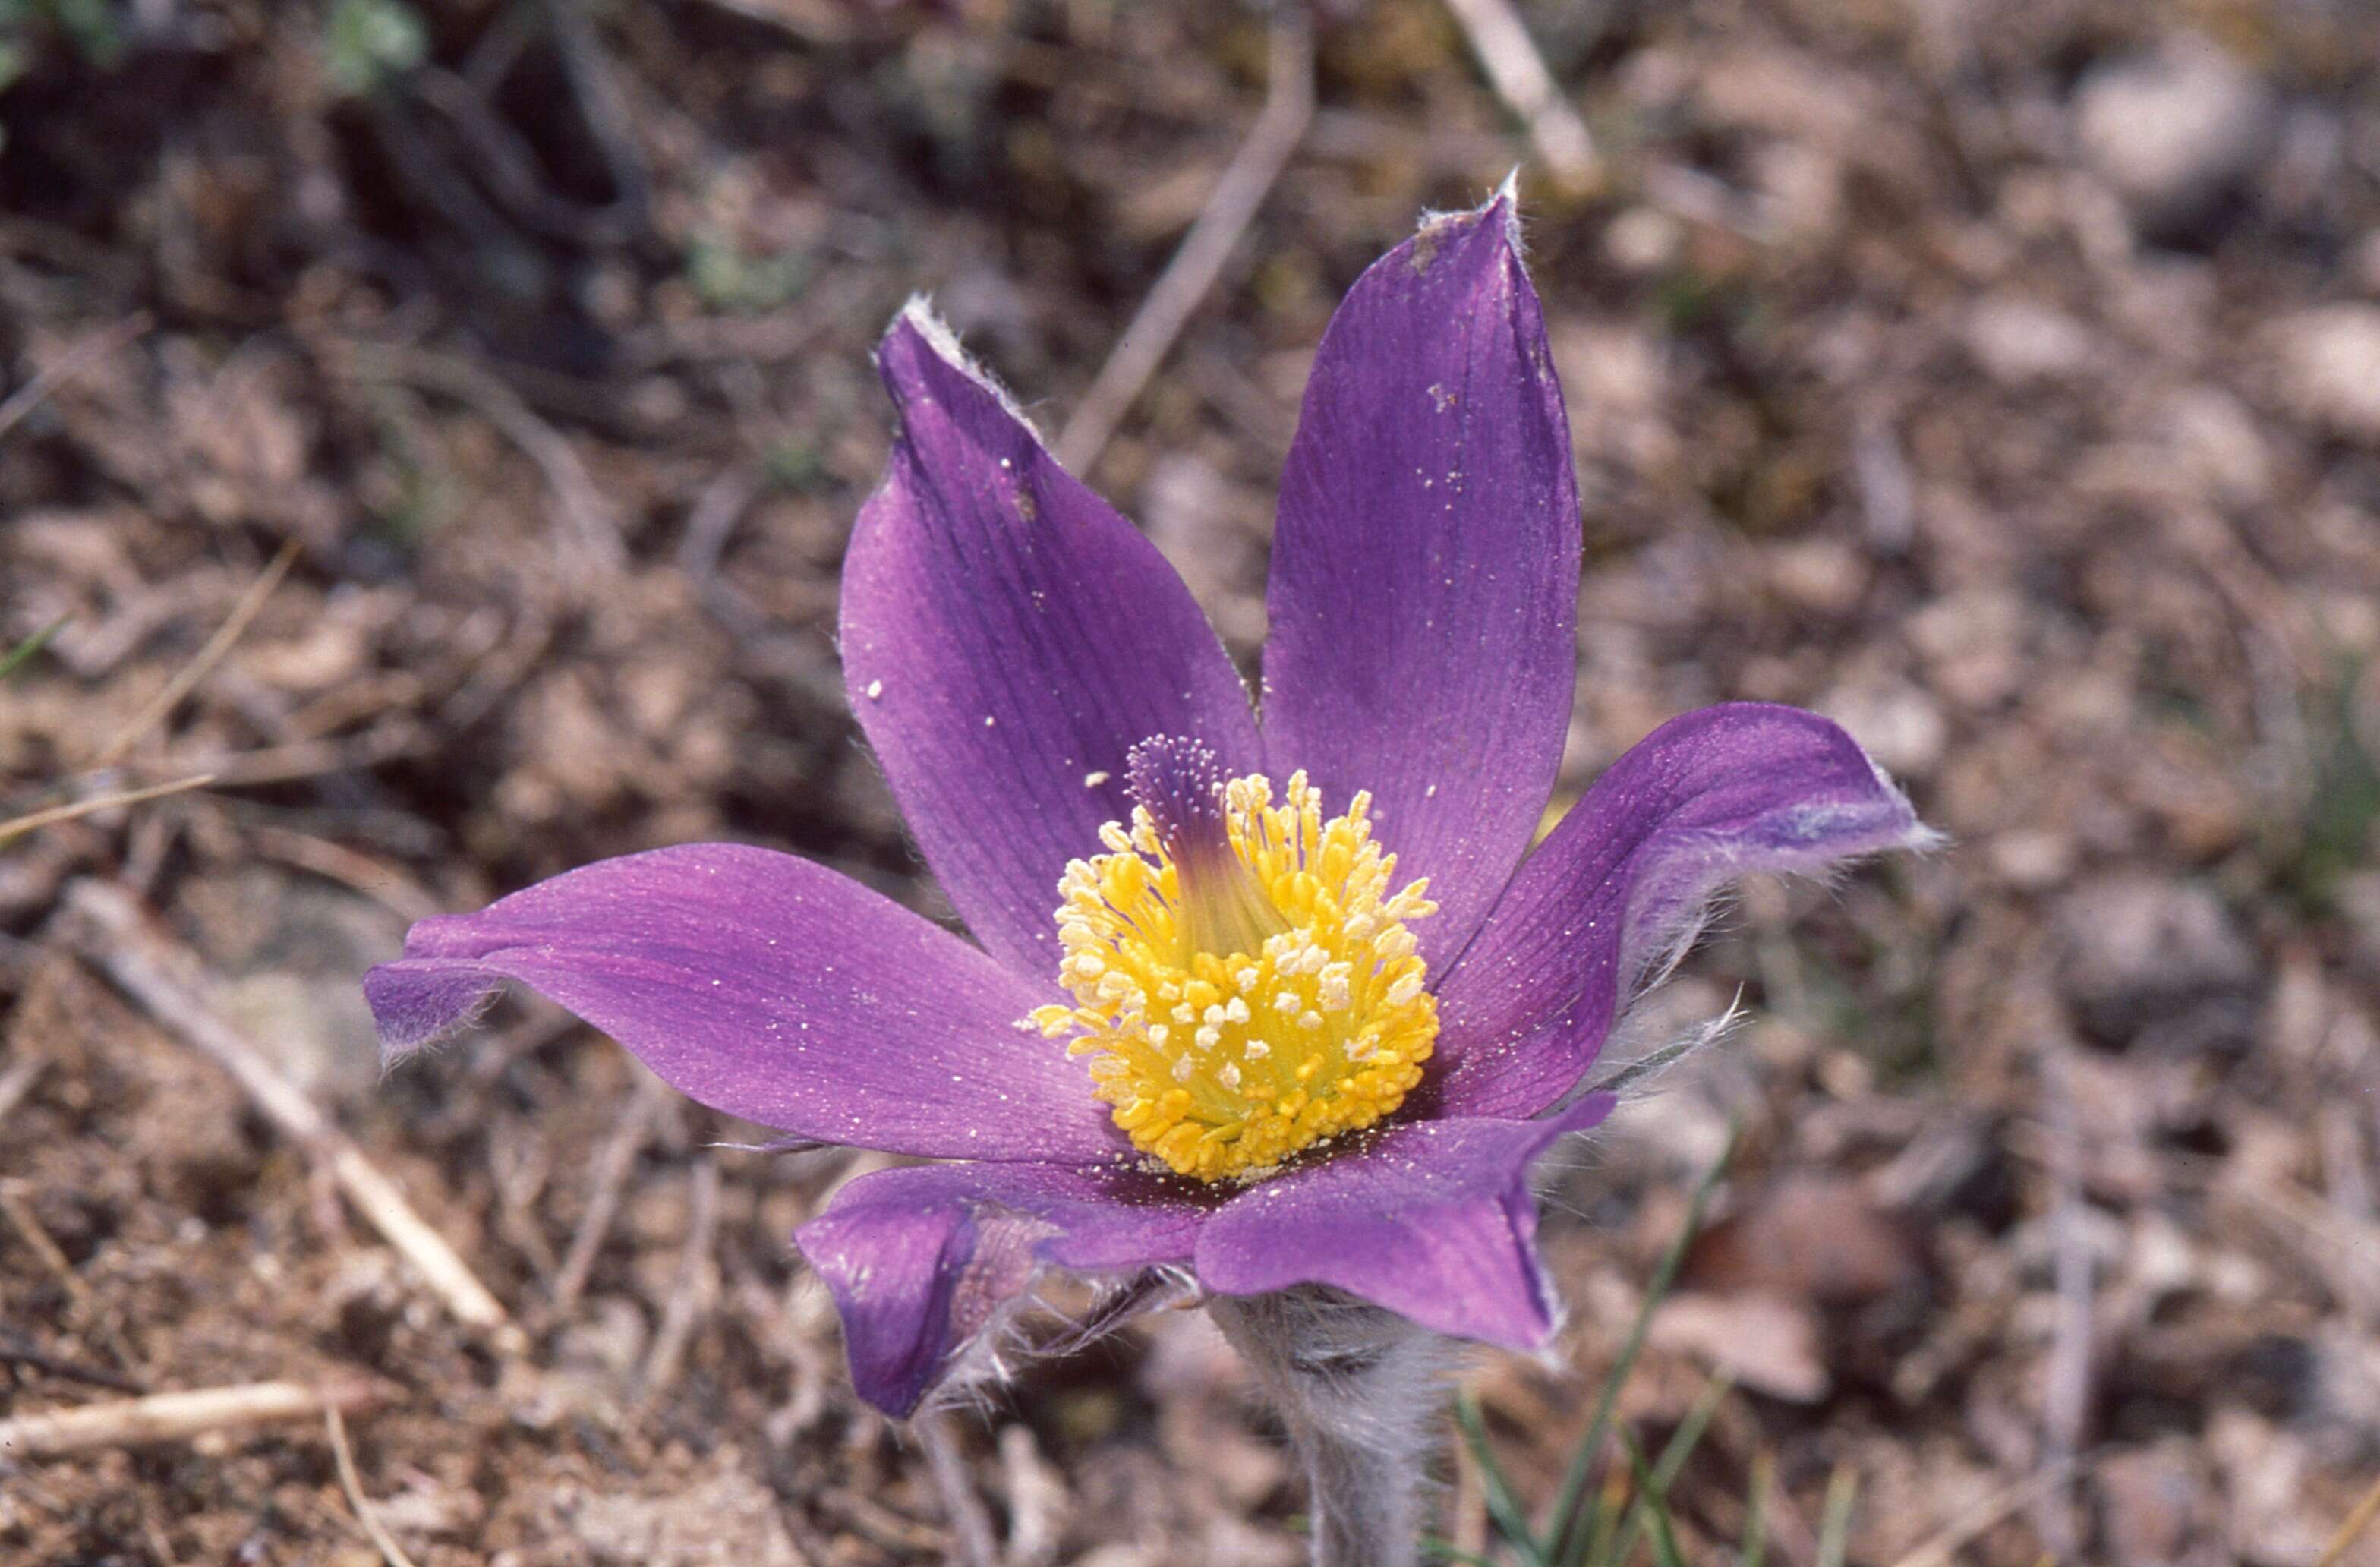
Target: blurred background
(436, 424)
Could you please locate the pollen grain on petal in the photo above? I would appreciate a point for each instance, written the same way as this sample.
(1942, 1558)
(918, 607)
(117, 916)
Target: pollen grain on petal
(1245, 982)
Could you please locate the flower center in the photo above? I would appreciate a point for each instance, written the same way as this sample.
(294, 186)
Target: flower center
(1245, 982)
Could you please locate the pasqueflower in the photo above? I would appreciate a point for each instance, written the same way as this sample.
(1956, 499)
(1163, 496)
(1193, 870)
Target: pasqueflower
(1262, 1003)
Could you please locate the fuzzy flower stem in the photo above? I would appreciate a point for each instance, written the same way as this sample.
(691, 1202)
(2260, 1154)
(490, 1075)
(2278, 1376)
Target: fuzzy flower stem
(1360, 1390)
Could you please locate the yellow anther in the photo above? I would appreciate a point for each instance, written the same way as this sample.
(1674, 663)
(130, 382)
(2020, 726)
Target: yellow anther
(1270, 937)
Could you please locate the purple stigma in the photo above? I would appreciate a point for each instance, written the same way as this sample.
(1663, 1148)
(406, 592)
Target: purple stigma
(1180, 783)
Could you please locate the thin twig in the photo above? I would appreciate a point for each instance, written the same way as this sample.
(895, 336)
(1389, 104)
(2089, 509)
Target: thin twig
(18, 826)
(376, 880)
(716, 512)
(971, 1541)
(613, 1163)
(73, 363)
(2345, 1253)
(164, 702)
(28, 1225)
(390, 1551)
(2357, 1521)
(2067, 1402)
(1036, 1499)
(1944, 1546)
(18, 1080)
(697, 1284)
(23, 1351)
(604, 112)
(165, 1417)
(16, 1202)
(1518, 74)
(808, 21)
(117, 940)
(589, 517)
(2341, 1143)
(881, 1526)
(1280, 124)
(1887, 492)
(312, 759)
(707, 527)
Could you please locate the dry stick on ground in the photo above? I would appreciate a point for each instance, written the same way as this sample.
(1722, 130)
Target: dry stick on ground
(312, 759)
(1943, 1549)
(591, 523)
(18, 1080)
(612, 1164)
(28, 1225)
(16, 1202)
(707, 527)
(18, 826)
(812, 22)
(1518, 74)
(21, 1352)
(115, 939)
(2067, 1402)
(363, 873)
(1037, 1500)
(697, 1284)
(2344, 1254)
(1288, 107)
(880, 1526)
(165, 1417)
(73, 363)
(164, 703)
(352, 1483)
(971, 1539)
(1886, 488)
(2351, 1529)
(2341, 1143)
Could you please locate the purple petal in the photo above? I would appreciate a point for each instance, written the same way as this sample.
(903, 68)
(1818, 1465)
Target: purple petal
(1621, 885)
(918, 1259)
(1424, 571)
(772, 989)
(1433, 1220)
(1007, 639)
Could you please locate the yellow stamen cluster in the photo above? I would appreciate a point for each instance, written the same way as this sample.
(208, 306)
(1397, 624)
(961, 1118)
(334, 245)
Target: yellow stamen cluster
(1240, 1007)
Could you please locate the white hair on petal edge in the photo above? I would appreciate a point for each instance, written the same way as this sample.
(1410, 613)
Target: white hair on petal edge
(1704, 898)
(466, 1018)
(1632, 1077)
(1508, 193)
(995, 1353)
(1824, 863)
(919, 314)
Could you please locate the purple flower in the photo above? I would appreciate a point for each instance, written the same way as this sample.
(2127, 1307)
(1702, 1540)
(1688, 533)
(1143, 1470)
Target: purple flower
(1318, 1013)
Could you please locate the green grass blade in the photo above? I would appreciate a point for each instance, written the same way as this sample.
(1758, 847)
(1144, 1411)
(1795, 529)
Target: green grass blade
(1512, 1519)
(1835, 1524)
(1653, 1505)
(1754, 1552)
(17, 656)
(1689, 1434)
(1611, 1505)
(1564, 1523)
(1680, 1447)
(1447, 1550)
